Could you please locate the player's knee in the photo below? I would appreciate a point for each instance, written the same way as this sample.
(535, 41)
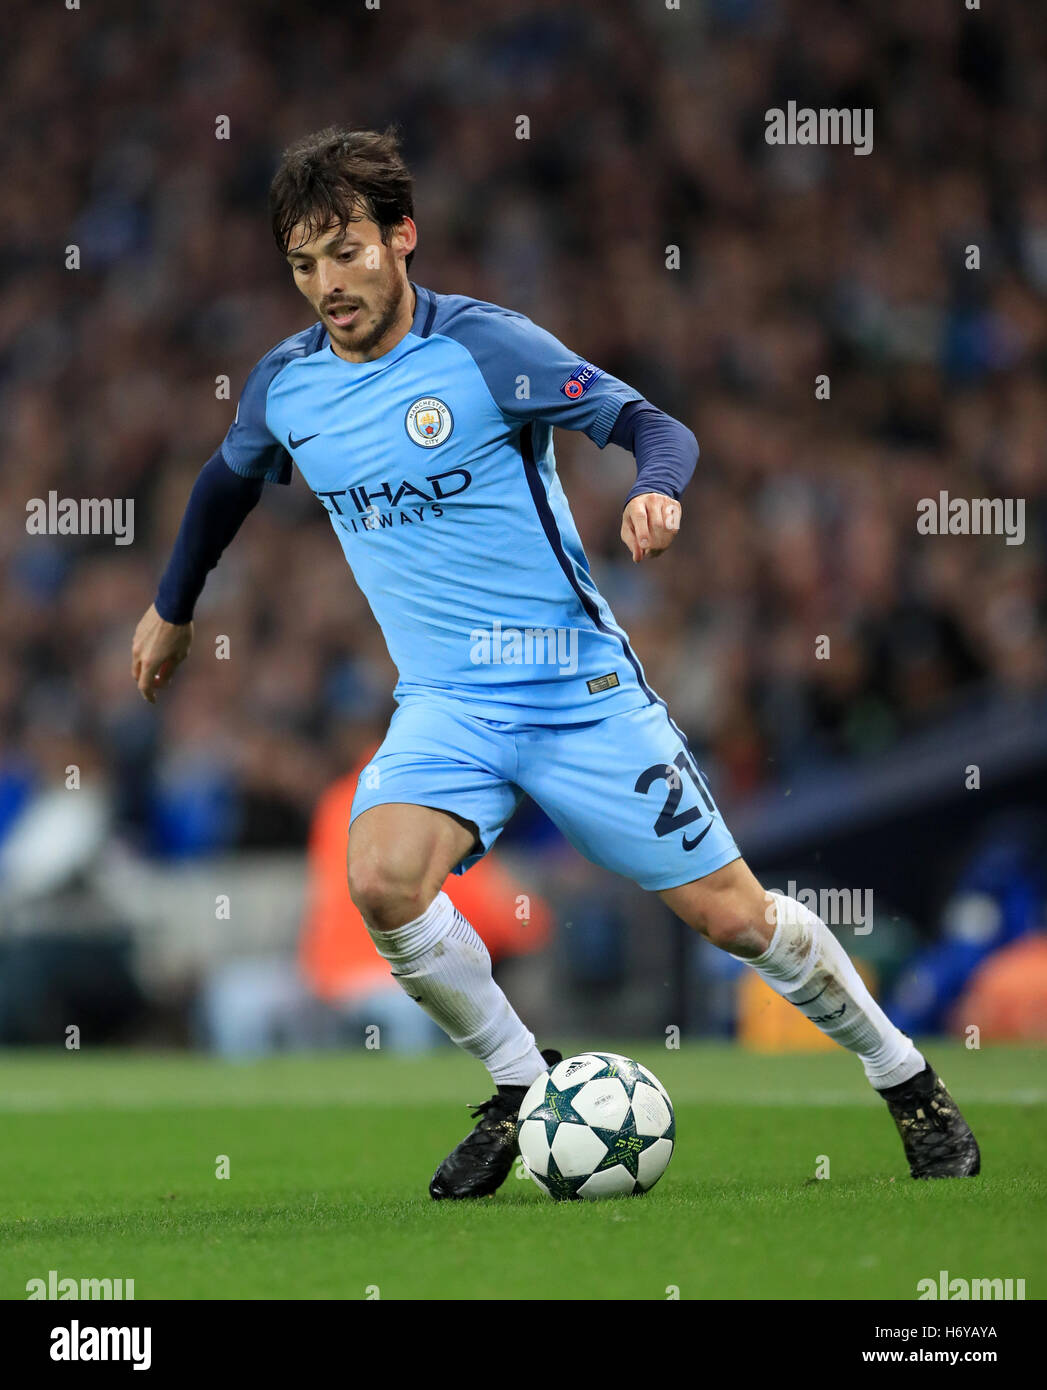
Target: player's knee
(385, 894)
(737, 921)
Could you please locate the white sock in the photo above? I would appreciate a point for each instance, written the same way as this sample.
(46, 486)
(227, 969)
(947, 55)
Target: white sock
(807, 966)
(441, 961)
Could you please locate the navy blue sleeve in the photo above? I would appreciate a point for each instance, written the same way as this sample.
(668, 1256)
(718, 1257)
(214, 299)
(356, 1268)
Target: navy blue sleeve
(218, 504)
(666, 450)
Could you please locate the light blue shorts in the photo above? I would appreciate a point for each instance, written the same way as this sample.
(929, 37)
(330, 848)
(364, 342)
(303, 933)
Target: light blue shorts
(625, 790)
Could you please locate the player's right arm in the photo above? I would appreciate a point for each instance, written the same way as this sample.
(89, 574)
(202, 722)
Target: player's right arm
(218, 505)
(229, 486)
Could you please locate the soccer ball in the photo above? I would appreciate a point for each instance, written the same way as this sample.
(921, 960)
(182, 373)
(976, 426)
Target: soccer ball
(596, 1125)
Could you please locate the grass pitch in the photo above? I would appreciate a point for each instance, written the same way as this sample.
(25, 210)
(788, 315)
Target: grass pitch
(108, 1169)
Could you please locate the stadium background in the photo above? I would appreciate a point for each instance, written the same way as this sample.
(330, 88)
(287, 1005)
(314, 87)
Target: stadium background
(646, 132)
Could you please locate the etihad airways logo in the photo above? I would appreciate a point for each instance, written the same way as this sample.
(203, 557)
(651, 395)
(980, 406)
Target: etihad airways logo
(374, 508)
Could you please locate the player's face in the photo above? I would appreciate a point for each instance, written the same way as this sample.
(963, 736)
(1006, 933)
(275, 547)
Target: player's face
(357, 285)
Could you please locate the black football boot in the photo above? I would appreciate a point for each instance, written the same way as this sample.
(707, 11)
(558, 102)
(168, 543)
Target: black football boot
(938, 1140)
(481, 1162)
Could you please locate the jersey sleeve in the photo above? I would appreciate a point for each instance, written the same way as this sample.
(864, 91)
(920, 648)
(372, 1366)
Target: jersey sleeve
(248, 447)
(533, 376)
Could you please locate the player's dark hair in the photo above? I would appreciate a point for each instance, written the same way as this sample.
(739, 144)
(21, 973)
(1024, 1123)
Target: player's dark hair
(336, 176)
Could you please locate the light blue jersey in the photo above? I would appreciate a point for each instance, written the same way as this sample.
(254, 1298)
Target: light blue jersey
(436, 465)
(435, 462)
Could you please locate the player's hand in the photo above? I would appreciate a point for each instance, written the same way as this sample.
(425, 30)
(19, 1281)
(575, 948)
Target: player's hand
(158, 647)
(649, 525)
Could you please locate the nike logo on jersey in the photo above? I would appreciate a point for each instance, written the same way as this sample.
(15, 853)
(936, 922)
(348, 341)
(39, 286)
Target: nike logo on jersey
(294, 443)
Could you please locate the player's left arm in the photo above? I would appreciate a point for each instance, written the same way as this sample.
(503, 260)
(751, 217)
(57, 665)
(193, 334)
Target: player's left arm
(533, 376)
(666, 453)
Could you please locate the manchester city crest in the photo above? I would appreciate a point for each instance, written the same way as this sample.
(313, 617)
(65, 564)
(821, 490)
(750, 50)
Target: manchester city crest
(429, 422)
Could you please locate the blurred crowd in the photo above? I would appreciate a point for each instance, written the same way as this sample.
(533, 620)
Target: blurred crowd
(646, 133)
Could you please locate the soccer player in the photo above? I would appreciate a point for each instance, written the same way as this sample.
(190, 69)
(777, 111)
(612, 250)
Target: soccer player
(423, 424)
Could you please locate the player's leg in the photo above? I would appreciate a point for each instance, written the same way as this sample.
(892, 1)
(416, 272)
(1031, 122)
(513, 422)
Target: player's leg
(793, 950)
(433, 800)
(399, 856)
(628, 794)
